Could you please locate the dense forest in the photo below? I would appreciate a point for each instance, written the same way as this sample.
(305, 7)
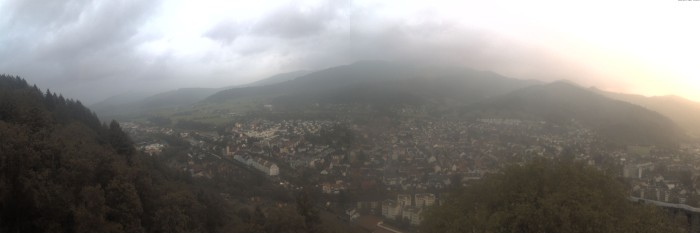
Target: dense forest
(548, 196)
(62, 170)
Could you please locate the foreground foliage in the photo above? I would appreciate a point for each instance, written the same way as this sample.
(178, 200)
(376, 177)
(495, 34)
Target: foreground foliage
(62, 170)
(546, 196)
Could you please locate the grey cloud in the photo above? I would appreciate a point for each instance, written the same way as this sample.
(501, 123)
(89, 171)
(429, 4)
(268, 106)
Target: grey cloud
(64, 44)
(225, 32)
(292, 21)
(42, 15)
(393, 40)
(431, 41)
(90, 49)
(102, 26)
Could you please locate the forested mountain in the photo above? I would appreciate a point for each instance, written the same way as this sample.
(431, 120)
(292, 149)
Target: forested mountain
(437, 86)
(278, 78)
(120, 99)
(335, 77)
(562, 102)
(683, 111)
(170, 99)
(380, 83)
(385, 84)
(137, 103)
(62, 170)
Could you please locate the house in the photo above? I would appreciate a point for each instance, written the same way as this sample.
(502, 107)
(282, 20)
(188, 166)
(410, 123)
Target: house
(413, 215)
(274, 170)
(352, 214)
(390, 209)
(425, 200)
(267, 167)
(404, 200)
(241, 159)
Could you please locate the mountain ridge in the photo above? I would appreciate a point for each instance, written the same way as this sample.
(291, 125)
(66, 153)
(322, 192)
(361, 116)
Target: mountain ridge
(181, 97)
(681, 110)
(371, 78)
(385, 84)
(559, 102)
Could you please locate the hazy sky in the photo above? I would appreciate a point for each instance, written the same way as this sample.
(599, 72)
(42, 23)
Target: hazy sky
(94, 49)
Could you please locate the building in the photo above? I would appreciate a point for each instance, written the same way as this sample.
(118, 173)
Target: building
(404, 200)
(274, 170)
(407, 207)
(413, 215)
(637, 170)
(391, 209)
(267, 167)
(425, 200)
(154, 149)
(241, 159)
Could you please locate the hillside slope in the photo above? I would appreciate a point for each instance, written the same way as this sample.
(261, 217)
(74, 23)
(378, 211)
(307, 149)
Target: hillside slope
(561, 102)
(684, 112)
(138, 103)
(380, 83)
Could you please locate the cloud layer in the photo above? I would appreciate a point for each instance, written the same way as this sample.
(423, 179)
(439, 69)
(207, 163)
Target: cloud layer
(94, 49)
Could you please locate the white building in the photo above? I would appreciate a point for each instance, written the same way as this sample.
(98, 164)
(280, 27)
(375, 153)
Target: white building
(404, 200)
(274, 170)
(425, 200)
(265, 166)
(413, 215)
(390, 209)
(259, 164)
(407, 206)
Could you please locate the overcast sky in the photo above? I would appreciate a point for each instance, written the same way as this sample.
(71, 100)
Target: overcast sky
(95, 49)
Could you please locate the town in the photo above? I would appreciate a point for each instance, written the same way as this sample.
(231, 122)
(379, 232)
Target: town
(392, 170)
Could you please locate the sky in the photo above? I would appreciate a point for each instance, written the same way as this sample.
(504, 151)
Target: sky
(91, 50)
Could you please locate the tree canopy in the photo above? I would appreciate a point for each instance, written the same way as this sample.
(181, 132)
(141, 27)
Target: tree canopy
(546, 196)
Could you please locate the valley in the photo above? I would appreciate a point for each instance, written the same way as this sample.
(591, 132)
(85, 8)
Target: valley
(361, 149)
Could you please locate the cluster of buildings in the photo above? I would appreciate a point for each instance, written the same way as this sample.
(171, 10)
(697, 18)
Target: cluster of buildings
(408, 207)
(664, 176)
(412, 156)
(425, 156)
(152, 148)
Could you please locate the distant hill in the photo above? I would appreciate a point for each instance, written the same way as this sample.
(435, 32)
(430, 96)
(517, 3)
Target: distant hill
(335, 77)
(135, 103)
(170, 99)
(561, 102)
(684, 112)
(123, 98)
(380, 83)
(445, 87)
(383, 84)
(278, 78)
(179, 97)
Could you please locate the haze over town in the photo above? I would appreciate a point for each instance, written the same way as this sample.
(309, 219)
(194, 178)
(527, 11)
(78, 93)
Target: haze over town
(91, 50)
